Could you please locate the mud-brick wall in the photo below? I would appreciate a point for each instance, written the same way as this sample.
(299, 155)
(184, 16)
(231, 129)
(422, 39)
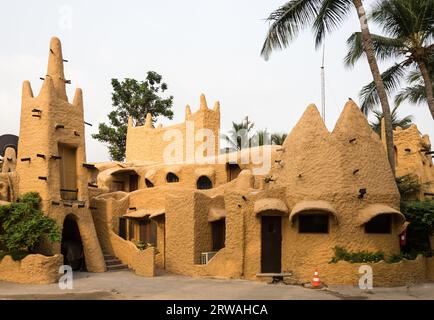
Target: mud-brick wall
(403, 273)
(180, 248)
(34, 268)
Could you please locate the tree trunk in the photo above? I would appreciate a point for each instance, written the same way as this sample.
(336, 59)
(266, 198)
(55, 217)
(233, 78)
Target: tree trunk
(381, 91)
(428, 85)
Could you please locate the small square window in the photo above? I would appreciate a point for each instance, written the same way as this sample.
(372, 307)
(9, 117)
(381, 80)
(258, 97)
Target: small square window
(313, 223)
(379, 224)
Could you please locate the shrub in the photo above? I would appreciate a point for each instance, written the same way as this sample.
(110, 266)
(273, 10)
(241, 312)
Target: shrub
(397, 257)
(420, 214)
(356, 257)
(16, 255)
(408, 185)
(24, 224)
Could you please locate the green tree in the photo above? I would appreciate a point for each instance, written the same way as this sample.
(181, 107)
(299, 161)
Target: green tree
(261, 138)
(325, 16)
(278, 138)
(404, 122)
(136, 99)
(24, 225)
(240, 136)
(415, 92)
(408, 38)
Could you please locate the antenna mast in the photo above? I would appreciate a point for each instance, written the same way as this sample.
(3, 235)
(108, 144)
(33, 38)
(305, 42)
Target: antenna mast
(323, 103)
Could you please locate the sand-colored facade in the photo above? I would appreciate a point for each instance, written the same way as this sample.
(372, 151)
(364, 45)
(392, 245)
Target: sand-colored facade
(414, 157)
(178, 204)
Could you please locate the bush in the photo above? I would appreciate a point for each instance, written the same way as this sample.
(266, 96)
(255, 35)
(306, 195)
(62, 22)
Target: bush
(397, 257)
(420, 214)
(408, 186)
(16, 255)
(24, 224)
(356, 257)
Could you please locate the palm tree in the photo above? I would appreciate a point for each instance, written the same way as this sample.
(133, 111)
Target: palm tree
(261, 138)
(404, 123)
(409, 38)
(415, 93)
(325, 16)
(239, 136)
(278, 138)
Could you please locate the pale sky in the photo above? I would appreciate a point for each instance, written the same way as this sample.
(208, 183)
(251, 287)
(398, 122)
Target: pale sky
(198, 46)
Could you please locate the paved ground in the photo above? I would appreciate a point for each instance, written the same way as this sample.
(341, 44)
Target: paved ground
(126, 285)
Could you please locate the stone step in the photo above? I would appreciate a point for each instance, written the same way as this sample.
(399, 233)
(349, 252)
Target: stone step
(117, 267)
(112, 262)
(109, 257)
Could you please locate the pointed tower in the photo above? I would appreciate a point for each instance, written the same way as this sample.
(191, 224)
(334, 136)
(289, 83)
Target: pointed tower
(363, 157)
(55, 68)
(51, 157)
(307, 159)
(144, 143)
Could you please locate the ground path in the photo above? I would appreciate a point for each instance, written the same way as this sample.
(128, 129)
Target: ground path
(126, 285)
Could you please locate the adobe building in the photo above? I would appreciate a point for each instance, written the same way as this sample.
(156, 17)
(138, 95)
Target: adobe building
(178, 204)
(414, 157)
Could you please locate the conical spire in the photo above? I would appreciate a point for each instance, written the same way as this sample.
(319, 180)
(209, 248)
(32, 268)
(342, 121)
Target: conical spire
(187, 112)
(48, 91)
(309, 127)
(27, 90)
(203, 104)
(217, 106)
(55, 68)
(352, 121)
(148, 122)
(78, 98)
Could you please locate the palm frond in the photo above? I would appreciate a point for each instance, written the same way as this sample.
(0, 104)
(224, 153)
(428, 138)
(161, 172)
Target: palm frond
(404, 122)
(385, 48)
(391, 79)
(415, 94)
(330, 15)
(286, 23)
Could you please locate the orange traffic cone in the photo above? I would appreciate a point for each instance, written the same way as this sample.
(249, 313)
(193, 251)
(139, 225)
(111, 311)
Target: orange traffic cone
(316, 282)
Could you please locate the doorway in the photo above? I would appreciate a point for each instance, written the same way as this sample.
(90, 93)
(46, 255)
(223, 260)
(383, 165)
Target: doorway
(72, 246)
(271, 244)
(68, 172)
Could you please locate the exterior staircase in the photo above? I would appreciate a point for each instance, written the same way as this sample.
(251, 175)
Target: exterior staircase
(113, 263)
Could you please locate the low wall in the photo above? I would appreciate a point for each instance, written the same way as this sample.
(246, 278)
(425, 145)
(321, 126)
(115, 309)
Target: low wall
(141, 261)
(402, 273)
(430, 269)
(34, 268)
(219, 266)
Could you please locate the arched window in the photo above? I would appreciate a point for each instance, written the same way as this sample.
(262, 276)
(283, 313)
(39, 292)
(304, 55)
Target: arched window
(171, 177)
(313, 222)
(379, 224)
(204, 183)
(148, 183)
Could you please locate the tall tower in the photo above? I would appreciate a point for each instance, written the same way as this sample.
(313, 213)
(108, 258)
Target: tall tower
(52, 154)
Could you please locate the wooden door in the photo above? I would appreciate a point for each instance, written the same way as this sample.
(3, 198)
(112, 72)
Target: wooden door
(271, 244)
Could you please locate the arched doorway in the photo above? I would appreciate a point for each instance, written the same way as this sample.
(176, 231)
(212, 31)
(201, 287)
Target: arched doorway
(204, 183)
(72, 246)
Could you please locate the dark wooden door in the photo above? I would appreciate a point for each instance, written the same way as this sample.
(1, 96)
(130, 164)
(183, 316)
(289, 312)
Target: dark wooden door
(122, 228)
(134, 182)
(271, 244)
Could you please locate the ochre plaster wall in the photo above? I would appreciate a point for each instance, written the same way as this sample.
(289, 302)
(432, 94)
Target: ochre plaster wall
(147, 143)
(34, 268)
(48, 120)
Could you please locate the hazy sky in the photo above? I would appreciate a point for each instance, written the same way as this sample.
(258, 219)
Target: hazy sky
(198, 46)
